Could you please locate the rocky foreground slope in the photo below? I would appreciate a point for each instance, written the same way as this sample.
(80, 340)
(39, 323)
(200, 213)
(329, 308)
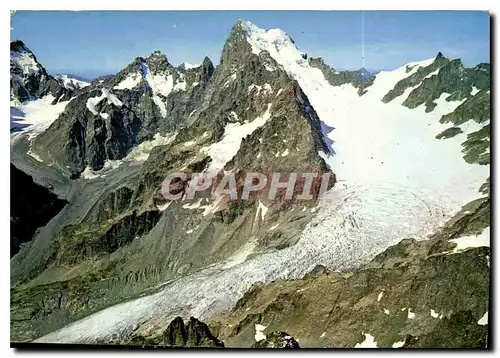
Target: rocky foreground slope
(407, 151)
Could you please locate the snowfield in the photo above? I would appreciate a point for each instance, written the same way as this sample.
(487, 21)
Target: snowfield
(34, 117)
(71, 82)
(395, 180)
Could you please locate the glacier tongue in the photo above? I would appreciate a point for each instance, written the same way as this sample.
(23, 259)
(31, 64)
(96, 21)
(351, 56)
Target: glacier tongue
(349, 231)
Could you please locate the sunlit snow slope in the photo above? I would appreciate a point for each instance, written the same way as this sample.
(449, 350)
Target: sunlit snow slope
(395, 180)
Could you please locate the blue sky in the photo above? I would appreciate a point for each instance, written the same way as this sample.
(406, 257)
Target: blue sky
(92, 43)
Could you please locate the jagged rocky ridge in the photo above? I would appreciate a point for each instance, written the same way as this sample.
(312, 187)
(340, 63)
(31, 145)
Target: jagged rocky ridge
(441, 76)
(127, 240)
(112, 115)
(28, 78)
(359, 79)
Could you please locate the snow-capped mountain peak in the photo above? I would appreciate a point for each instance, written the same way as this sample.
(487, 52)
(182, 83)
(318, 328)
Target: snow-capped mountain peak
(22, 59)
(275, 41)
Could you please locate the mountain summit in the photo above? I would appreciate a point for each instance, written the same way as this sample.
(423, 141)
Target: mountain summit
(28, 78)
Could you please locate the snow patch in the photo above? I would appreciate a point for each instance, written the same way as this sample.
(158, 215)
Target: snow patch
(399, 344)
(273, 227)
(163, 207)
(262, 209)
(259, 335)
(406, 174)
(34, 156)
(411, 315)
(467, 242)
(380, 296)
(386, 311)
(129, 82)
(285, 153)
(483, 320)
(369, 342)
(188, 66)
(160, 84)
(432, 73)
(140, 153)
(180, 86)
(92, 102)
(266, 88)
(70, 82)
(241, 254)
(193, 206)
(224, 150)
(434, 314)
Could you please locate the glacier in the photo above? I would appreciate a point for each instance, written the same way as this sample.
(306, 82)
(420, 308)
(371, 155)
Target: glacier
(395, 180)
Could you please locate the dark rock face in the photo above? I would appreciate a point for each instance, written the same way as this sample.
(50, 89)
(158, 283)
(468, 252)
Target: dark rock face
(240, 90)
(31, 207)
(277, 340)
(199, 335)
(78, 242)
(176, 334)
(194, 334)
(28, 78)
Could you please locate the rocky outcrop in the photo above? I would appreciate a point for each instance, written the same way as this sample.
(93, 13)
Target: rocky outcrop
(31, 207)
(476, 108)
(477, 147)
(194, 334)
(453, 78)
(416, 78)
(80, 242)
(360, 79)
